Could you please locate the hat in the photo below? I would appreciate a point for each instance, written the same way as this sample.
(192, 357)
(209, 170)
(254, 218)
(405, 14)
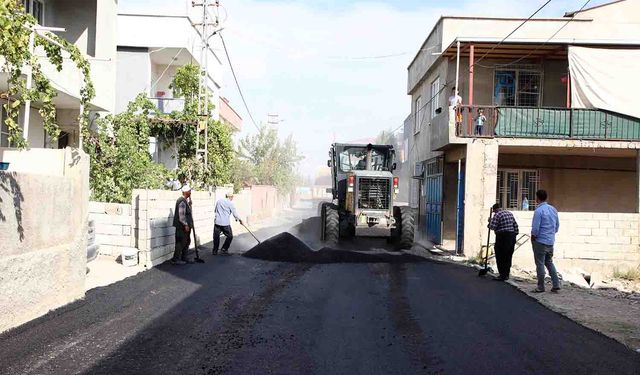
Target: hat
(229, 194)
(186, 188)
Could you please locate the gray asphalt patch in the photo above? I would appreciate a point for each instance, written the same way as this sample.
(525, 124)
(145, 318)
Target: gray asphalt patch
(285, 247)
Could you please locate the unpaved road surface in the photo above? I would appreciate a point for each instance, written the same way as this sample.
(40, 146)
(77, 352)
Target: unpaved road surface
(234, 315)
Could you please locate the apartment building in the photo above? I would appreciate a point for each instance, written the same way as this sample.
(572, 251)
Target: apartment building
(550, 107)
(91, 26)
(151, 47)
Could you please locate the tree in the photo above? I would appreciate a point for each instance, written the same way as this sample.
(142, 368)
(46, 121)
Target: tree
(386, 137)
(264, 159)
(180, 133)
(119, 152)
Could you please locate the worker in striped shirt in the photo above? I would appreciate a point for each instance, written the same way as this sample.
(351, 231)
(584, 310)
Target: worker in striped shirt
(506, 228)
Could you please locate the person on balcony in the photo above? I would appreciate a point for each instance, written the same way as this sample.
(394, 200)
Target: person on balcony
(506, 228)
(479, 120)
(455, 103)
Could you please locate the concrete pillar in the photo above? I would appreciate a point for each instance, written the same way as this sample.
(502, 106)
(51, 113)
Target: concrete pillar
(481, 174)
(638, 180)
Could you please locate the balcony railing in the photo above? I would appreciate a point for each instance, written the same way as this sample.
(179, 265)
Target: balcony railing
(553, 123)
(168, 105)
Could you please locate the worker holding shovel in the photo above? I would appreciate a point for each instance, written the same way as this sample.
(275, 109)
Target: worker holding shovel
(224, 209)
(506, 228)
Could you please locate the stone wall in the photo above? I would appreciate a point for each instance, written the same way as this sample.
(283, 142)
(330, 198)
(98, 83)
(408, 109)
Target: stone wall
(591, 241)
(147, 223)
(113, 225)
(43, 236)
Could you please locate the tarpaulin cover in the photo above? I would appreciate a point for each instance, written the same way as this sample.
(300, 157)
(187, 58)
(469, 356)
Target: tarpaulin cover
(605, 78)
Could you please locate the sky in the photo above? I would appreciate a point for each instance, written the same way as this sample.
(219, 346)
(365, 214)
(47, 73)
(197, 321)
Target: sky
(316, 63)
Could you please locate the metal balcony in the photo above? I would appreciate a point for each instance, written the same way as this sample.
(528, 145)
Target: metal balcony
(168, 105)
(547, 123)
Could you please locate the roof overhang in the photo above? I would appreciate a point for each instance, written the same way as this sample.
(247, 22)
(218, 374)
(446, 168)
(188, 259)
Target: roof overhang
(532, 48)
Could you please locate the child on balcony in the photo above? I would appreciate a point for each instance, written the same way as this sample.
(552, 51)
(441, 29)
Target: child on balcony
(480, 119)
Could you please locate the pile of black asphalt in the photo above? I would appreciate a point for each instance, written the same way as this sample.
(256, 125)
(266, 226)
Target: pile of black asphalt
(285, 247)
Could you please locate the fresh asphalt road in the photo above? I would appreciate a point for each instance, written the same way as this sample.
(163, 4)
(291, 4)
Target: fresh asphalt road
(235, 315)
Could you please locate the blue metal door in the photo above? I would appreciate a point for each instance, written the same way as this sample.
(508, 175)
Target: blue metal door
(433, 202)
(460, 212)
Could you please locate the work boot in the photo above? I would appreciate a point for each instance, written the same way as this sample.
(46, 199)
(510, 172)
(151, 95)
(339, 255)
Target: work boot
(189, 261)
(225, 252)
(178, 262)
(214, 252)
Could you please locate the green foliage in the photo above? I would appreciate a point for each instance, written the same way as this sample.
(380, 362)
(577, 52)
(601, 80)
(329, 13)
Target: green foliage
(15, 30)
(120, 159)
(265, 160)
(179, 130)
(386, 137)
(629, 274)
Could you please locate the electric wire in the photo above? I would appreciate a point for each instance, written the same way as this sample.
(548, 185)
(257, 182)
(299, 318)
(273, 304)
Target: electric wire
(235, 78)
(511, 33)
(540, 45)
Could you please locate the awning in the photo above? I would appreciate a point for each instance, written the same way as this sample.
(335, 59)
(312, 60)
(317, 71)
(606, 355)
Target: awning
(605, 78)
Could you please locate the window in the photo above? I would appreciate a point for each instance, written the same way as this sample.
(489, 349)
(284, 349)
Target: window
(435, 97)
(516, 189)
(518, 88)
(418, 115)
(35, 8)
(355, 159)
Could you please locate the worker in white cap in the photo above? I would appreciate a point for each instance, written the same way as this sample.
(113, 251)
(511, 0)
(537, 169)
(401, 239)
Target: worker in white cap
(183, 222)
(224, 209)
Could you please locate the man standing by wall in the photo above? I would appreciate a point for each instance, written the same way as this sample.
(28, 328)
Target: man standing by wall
(183, 222)
(506, 228)
(543, 237)
(224, 209)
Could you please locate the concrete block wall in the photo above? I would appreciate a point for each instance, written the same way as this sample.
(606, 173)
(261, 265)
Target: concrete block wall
(147, 223)
(113, 225)
(591, 241)
(153, 210)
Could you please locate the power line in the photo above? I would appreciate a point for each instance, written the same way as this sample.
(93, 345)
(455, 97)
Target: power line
(235, 78)
(540, 45)
(511, 33)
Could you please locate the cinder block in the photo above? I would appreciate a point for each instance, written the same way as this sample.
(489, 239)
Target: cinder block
(615, 232)
(583, 232)
(597, 240)
(600, 232)
(589, 224)
(622, 224)
(606, 224)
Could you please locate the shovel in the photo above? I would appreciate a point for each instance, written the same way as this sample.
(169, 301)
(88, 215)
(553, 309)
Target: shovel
(196, 242)
(250, 232)
(485, 270)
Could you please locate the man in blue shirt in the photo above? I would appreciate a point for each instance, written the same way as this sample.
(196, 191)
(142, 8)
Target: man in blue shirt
(543, 237)
(224, 209)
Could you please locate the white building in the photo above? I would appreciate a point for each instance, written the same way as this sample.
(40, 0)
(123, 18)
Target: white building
(91, 26)
(150, 48)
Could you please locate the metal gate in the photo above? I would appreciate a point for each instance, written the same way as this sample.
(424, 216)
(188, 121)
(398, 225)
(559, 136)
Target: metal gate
(433, 185)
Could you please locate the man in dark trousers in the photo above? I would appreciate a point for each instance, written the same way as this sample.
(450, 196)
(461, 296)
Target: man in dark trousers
(506, 228)
(224, 209)
(183, 222)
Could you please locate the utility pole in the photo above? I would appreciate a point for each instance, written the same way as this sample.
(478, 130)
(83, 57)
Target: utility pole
(203, 84)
